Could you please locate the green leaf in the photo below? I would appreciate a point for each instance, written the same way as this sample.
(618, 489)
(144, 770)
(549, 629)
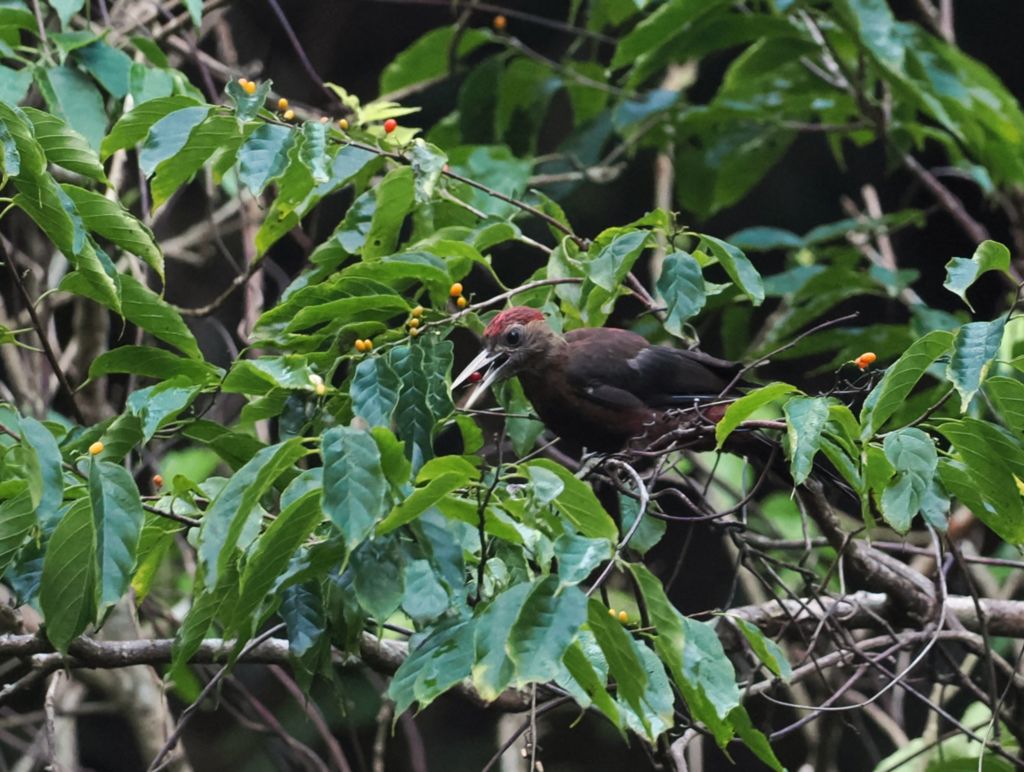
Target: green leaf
(765, 238)
(354, 484)
(76, 100)
(20, 145)
(167, 135)
(425, 598)
(51, 474)
(547, 623)
(994, 462)
(64, 146)
(962, 273)
(314, 150)
(593, 684)
(421, 499)
(578, 556)
(975, 346)
(427, 162)
(117, 514)
(744, 407)
(414, 419)
(265, 374)
(767, 650)
(270, 556)
(395, 199)
(17, 519)
(681, 286)
(378, 576)
(43, 200)
(740, 269)
(754, 738)
(441, 661)
(658, 28)
(610, 264)
(492, 669)
(578, 503)
(159, 404)
(152, 363)
(215, 133)
(66, 9)
(374, 391)
(108, 65)
(1008, 395)
(624, 664)
(263, 156)
(206, 606)
(428, 58)
(914, 458)
(68, 591)
(236, 505)
(805, 420)
(133, 126)
(112, 221)
(899, 380)
(302, 610)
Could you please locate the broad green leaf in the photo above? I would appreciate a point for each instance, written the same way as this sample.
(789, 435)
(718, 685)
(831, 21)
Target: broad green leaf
(593, 684)
(237, 503)
(110, 66)
(899, 380)
(492, 669)
(1008, 395)
(264, 374)
(681, 286)
(74, 97)
(993, 464)
(66, 9)
(44, 201)
(914, 458)
(422, 499)
(609, 265)
(425, 598)
(30, 159)
(805, 420)
(117, 514)
(975, 346)
(961, 273)
(578, 503)
(578, 556)
(47, 452)
(427, 162)
(547, 623)
(69, 591)
(624, 664)
(159, 404)
(659, 27)
(133, 126)
(374, 391)
(263, 156)
(395, 465)
(395, 199)
(738, 266)
(441, 661)
(428, 58)
(767, 650)
(378, 574)
(152, 363)
(269, 557)
(17, 519)
(754, 738)
(354, 484)
(64, 146)
(414, 420)
(215, 133)
(314, 150)
(112, 221)
(302, 610)
(765, 238)
(206, 606)
(167, 135)
(744, 407)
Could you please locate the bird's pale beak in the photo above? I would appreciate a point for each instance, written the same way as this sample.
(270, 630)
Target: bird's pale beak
(494, 361)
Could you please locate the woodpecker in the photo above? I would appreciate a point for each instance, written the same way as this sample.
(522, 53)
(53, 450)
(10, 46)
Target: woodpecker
(604, 388)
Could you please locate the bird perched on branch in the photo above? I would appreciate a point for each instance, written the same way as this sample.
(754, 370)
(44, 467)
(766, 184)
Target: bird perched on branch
(606, 389)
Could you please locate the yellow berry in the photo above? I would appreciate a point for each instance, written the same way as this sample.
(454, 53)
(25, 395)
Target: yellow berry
(360, 346)
(414, 331)
(416, 312)
(249, 87)
(343, 124)
(320, 389)
(369, 344)
(282, 104)
(455, 290)
(96, 448)
(461, 302)
(623, 617)
(289, 115)
(158, 481)
(243, 82)
(611, 612)
(414, 322)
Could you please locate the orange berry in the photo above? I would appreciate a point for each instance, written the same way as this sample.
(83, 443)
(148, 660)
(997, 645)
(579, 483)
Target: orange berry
(158, 481)
(360, 346)
(416, 312)
(865, 359)
(243, 82)
(461, 302)
(96, 448)
(282, 104)
(456, 290)
(289, 115)
(249, 87)
(343, 124)
(414, 331)
(414, 322)
(368, 344)
(623, 617)
(390, 125)
(499, 23)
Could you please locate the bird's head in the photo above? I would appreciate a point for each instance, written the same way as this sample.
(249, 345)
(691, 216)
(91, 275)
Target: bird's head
(515, 340)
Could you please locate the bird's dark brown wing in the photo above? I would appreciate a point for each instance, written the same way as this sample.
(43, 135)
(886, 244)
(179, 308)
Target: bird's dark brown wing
(619, 368)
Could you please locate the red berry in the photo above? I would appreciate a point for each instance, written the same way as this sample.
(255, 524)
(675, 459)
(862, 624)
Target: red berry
(475, 377)
(390, 125)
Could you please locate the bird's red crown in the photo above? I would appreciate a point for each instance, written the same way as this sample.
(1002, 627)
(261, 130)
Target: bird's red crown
(510, 316)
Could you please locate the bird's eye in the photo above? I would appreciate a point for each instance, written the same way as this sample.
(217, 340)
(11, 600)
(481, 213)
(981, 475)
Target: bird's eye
(514, 336)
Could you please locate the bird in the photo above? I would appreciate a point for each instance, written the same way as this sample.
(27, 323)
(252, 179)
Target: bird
(607, 389)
